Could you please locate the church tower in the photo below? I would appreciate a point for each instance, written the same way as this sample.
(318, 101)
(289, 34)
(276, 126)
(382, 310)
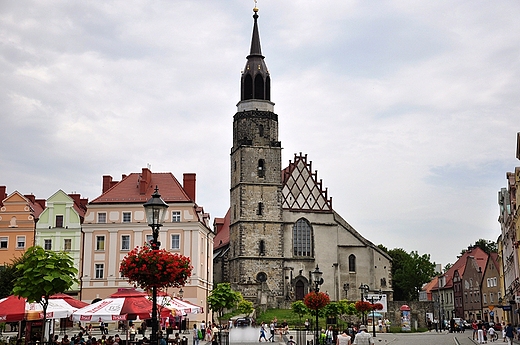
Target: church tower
(256, 232)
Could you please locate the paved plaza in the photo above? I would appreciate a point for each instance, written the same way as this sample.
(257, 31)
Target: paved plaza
(250, 335)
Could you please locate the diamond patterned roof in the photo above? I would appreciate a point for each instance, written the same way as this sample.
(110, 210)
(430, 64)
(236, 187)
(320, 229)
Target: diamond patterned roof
(301, 189)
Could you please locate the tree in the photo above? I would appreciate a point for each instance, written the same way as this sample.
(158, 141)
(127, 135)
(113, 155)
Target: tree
(486, 245)
(410, 271)
(223, 297)
(43, 273)
(8, 275)
(300, 309)
(245, 307)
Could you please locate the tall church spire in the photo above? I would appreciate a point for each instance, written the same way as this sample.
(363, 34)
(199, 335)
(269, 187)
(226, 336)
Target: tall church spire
(256, 82)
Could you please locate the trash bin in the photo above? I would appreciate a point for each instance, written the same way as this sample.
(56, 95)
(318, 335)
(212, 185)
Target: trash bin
(184, 341)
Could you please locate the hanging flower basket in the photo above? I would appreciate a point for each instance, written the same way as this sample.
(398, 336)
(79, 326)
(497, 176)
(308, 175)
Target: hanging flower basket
(158, 268)
(315, 300)
(377, 306)
(363, 306)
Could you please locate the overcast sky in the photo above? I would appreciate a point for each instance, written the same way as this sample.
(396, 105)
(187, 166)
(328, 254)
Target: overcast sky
(408, 109)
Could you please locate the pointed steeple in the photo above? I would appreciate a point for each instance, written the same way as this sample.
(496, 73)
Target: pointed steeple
(256, 49)
(256, 82)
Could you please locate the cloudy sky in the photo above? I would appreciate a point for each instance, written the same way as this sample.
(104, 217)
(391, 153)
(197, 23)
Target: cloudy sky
(408, 109)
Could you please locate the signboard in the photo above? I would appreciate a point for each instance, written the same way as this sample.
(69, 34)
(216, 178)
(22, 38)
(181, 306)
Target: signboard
(506, 307)
(517, 299)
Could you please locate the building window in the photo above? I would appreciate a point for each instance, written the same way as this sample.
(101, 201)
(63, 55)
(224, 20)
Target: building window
(47, 244)
(491, 297)
(102, 217)
(3, 242)
(260, 209)
(485, 298)
(99, 271)
(100, 242)
(261, 168)
(176, 241)
(261, 248)
(20, 242)
(127, 217)
(176, 216)
(67, 244)
(352, 263)
(59, 221)
(125, 242)
(261, 130)
(302, 238)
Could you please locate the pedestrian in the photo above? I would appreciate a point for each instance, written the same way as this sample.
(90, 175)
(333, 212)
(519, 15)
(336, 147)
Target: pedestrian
(195, 334)
(329, 336)
(510, 333)
(343, 338)
(291, 341)
(271, 328)
(363, 338)
(208, 333)
(474, 326)
(491, 332)
(307, 324)
(262, 333)
(480, 332)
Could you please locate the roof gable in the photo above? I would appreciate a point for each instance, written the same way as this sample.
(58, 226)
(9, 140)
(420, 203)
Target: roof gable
(301, 189)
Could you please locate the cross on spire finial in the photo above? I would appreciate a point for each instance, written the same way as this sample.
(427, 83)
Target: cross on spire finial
(256, 8)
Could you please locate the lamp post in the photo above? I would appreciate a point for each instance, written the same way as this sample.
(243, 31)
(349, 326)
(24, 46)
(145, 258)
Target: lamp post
(346, 287)
(364, 289)
(155, 210)
(318, 280)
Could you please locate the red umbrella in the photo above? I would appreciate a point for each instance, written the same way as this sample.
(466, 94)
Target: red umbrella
(12, 309)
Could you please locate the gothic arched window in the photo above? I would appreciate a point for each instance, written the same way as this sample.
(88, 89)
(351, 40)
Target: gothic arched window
(352, 263)
(259, 87)
(248, 87)
(302, 238)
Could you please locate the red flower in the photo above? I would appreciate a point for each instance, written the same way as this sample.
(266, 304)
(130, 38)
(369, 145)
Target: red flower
(363, 306)
(377, 306)
(315, 300)
(147, 268)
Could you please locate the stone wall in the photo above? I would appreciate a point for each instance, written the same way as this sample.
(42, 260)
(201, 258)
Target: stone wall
(418, 312)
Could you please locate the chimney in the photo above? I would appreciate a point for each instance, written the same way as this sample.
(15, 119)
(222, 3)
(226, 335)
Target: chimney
(3, 195)
(30, 197)
(107, 183)
(76, 198)
(146, 178)
(189, 185)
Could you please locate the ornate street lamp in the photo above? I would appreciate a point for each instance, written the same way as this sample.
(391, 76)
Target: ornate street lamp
(155, 210)
(364, 289)
(318, 280)
(372, 299)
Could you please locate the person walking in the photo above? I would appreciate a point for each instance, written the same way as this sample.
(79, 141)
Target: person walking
(363, 338)
(262, 333)
(195, 333)
(271, 328)
(510, 333)
(343, 338)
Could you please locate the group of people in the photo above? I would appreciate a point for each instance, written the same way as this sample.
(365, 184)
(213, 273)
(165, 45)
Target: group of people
(482, 334)
(205, 333)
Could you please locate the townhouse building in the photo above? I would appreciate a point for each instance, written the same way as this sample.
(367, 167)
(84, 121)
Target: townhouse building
(115, 223)
(59, 228)
(18, 216)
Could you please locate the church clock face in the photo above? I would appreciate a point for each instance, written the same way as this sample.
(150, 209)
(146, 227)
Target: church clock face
(261, 277)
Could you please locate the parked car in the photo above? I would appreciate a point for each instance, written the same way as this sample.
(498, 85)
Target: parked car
(242, 322)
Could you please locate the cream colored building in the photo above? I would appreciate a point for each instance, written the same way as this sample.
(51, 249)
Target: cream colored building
(115, 223)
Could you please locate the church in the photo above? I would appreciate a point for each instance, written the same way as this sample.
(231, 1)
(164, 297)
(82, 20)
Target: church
(281, 225)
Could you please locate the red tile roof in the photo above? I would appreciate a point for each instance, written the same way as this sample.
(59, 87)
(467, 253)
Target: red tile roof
(128, 190)
(222, 237)
(460, 265)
